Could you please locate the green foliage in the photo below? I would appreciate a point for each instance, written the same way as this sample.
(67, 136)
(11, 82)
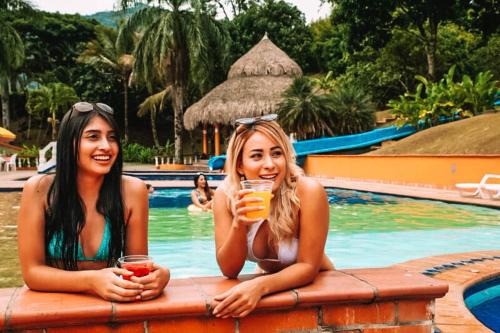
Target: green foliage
(368, 23)
(352, 110)
(135, 152)
(455, 44)
(477, 95)
(53, 42)
(311, 111)
(328, 47)
(53, 98)
(285, 25)
(482, 15)
(29, 151)
(434, 101)
(364, 23)
(303, 111)
(488, 57)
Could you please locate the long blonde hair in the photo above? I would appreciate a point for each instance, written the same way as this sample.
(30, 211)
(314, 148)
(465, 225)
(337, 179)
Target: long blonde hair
(285, 203)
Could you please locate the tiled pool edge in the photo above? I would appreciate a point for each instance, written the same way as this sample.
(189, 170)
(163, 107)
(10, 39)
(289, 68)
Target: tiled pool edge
(452, 316)
(354, 300)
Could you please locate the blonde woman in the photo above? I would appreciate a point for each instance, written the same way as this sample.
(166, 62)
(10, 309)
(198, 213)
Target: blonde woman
(289, 246)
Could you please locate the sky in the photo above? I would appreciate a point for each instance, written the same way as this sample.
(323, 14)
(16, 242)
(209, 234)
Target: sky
(313, 9)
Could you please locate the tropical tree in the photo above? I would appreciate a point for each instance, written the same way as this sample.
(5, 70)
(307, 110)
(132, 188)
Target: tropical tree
(11, 52)
(305, 112)
(177, 47)
(352, 110)
(112, 51)
(153, 105)
(53, 98)
(370, 22)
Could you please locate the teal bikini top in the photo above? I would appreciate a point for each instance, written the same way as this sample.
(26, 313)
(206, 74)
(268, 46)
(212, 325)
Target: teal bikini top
(102, 254)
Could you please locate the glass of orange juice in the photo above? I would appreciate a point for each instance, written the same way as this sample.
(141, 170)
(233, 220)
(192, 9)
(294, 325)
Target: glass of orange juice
(262, 189)
(140, 265)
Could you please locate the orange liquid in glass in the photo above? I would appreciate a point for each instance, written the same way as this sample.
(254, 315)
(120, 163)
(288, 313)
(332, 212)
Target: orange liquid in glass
(263, 213)
(138, 268)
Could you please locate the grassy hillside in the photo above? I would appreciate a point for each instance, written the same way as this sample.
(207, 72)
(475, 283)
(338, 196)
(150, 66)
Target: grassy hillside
(477, 135)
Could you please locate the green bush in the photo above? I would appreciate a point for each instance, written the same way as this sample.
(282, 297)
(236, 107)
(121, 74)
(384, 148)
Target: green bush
(134, 152)
(434, 101)
(29, 151)
(351, 109)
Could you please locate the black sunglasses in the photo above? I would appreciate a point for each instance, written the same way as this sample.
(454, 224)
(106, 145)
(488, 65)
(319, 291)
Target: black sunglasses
(84, 107)
(255, 120)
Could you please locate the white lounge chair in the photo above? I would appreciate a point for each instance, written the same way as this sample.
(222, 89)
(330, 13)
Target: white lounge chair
(493, 191)
(11, 163)
(474, 189)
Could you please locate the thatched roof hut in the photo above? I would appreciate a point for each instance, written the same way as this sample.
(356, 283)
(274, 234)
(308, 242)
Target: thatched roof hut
(254, 87)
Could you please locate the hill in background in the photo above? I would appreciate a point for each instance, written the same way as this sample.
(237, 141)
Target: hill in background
(110, 18)
(477, 135)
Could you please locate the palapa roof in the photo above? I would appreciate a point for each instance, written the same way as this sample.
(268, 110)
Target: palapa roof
(254, 87)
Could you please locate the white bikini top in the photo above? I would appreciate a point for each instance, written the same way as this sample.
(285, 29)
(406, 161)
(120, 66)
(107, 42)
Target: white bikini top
(287, 251)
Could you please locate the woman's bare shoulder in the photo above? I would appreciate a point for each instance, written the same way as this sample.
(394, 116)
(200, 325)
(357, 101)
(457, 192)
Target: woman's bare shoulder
(130, 183)
(39, 184)
(220, 192)
(309, 186)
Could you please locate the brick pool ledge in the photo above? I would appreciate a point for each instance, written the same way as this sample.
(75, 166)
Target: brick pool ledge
(460, 271)
(353, 300)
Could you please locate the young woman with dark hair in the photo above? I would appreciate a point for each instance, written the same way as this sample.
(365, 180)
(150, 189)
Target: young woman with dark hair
(201, 195)
(74, 226)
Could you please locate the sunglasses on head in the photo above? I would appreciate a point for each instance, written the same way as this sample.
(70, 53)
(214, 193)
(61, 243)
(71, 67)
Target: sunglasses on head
(256, 120)
(84, 107)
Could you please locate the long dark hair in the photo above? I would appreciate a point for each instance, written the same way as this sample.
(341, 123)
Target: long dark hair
(206, 189)
(65, 214)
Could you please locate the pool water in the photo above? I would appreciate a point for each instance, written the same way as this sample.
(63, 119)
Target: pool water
(170, 175)
(483, 300)
(366, 230)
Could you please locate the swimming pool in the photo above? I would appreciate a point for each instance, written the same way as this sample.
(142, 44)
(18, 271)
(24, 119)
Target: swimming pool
(483, 300)
(366, 230)
(173, 175)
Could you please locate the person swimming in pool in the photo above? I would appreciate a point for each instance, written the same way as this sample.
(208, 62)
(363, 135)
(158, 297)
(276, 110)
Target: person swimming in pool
(73, 226)
(201, 195)
(289, 245)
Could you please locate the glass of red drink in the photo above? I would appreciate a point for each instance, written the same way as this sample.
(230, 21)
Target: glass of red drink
(139, 265)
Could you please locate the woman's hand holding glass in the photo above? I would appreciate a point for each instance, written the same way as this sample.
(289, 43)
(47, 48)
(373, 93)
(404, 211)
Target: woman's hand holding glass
(241, 208)
(108, 284)
(153, 283)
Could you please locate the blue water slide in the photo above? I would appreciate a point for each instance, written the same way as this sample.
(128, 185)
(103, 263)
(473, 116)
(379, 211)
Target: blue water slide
(326, 145)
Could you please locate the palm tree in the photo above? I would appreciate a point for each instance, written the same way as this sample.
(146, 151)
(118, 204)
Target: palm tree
(353, 110)
(112, 50)
(54, 98)
(176, 48)
(305, 112)
(11, 52)
(152, 105)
